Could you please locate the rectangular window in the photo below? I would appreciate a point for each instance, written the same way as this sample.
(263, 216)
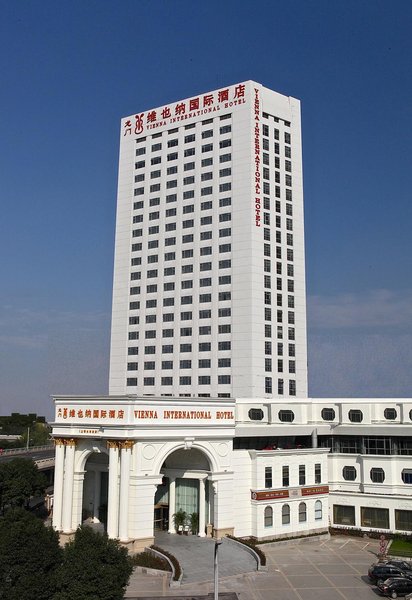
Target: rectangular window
(302, 475)
(268, 477)
(378, 518)
(285, 476)
(403, 520)
(318, 473)
(344, 515)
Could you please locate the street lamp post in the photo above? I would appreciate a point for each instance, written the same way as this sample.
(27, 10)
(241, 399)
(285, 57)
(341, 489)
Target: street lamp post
(216, 570)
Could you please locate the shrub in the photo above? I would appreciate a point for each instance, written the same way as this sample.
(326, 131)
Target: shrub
(173, 560)
(251, 543)
(150, 561)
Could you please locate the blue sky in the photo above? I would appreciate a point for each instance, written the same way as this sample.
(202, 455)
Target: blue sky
(71, 70)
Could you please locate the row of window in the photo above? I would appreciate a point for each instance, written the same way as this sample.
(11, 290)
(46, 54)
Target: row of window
(368, 445)
(188, 315)
(226, 143)
(188, 283)
(286, 475)
(188, 180)
(302, 513)
(203, 298)
(173, 226)
(184, 380)
(137, 246)
(370, 517)
(187, 268)
(188, 166)
(281, 391)
(172, 183)
(168, 349)
(171, 212)
(276, 133)
(184, 331)
(207, 133)
(266, 115)
(376, 474)
(186, 127)
(356, 415)
(172, 143)
(203, 363)
(206, 205)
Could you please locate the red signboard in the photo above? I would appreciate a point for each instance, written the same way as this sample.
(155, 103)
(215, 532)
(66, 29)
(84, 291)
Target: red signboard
(270, 495)
(284, 493)
(313, 491)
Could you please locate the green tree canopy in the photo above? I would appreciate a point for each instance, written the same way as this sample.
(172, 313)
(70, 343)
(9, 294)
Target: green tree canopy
(29, 556)
(94, 568)
(20, 480)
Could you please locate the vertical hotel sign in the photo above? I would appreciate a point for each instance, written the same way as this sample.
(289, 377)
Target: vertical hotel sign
(256, 106)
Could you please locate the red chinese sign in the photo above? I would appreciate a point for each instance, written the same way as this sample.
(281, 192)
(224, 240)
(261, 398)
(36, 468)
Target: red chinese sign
(257, 158)
(194, 107)
(89, 413)
(313, 491)
(286, 493)
(270, 495)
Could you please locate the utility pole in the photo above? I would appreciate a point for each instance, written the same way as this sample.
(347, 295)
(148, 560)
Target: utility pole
(28, 438)
(216, 570)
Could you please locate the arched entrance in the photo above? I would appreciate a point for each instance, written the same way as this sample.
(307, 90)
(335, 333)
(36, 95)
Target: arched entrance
(184, 500)
(95, 488)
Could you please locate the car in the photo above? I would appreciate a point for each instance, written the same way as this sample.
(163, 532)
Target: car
(395, 586)
(404, 565)
(384, 571)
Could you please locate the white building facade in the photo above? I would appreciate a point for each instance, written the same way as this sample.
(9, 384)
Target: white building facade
(207, 412)
(209, 275)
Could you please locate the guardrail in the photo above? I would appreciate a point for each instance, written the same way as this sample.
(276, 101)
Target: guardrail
(9, 451)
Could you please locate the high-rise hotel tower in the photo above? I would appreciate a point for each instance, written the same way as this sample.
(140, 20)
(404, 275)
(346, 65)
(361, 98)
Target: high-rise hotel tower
(209, 276)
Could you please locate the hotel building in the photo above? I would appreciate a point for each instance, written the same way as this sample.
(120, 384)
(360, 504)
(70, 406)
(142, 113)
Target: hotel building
(209, 277)
(208, 409)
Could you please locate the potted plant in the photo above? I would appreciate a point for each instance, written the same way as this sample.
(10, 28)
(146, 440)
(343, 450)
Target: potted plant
(179, 520)
(194, 523)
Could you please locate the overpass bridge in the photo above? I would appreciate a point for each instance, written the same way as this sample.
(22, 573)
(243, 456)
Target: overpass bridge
(43, 456)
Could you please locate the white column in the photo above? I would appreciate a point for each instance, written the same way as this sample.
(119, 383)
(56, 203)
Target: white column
(77, 502)
(202, 499)
(58, 483)
(172, 503)
(126, 451)
(96, 497)
(211, 502)
(113, 496)
(68, 486)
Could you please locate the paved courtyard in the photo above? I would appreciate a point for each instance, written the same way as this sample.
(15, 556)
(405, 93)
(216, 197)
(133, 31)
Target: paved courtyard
(306, 570)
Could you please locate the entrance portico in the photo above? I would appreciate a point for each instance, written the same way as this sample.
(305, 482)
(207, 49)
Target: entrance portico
(114, 460)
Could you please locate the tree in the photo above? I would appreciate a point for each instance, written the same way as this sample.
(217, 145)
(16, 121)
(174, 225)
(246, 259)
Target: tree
(29, 556)
(20, 480)
(39, 435)
(94, 568)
